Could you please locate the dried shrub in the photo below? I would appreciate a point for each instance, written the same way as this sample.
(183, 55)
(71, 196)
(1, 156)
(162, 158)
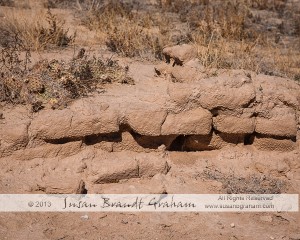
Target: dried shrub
(275, 5)
(9, 3)
(59, 4)
(54, 33)
(38, 31)
(252, 184)
(74, 4)
(57, 82)
(125, 31)
(13, 66)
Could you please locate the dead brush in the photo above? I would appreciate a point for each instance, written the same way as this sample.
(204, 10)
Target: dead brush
(9, 3)
(223, 54)
(56, 83)
(123, 39)
(226, 38)
(252, 184)
(54, 33)
(14, 61)
(37, 30)
(81, 5)
(275, 5)
(126, 31)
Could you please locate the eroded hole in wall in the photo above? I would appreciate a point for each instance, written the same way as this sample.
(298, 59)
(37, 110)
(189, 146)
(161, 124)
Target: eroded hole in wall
(153, 142)
(178, 144)
(63, 140)
(213, 141)
(248, 140)
(81, 188)
(219, 110)
(109, 137)
(195, 143)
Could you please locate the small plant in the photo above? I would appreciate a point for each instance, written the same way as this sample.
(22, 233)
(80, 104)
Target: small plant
(54, 33)
(297, 78)
(11, 62)
(252, 184)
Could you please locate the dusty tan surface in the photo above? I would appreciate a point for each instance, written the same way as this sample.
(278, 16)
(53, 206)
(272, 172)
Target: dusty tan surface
(149, 226)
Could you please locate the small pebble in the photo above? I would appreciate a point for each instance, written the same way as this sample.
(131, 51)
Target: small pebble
(85, 217)
(124, 221)
(267, 218)
(232, 225)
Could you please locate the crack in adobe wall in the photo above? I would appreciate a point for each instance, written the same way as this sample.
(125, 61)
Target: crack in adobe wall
(65, 140)
(180, 143)
(97, 138)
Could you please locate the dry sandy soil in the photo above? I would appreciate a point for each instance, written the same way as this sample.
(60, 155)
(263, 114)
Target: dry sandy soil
(176, 127)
